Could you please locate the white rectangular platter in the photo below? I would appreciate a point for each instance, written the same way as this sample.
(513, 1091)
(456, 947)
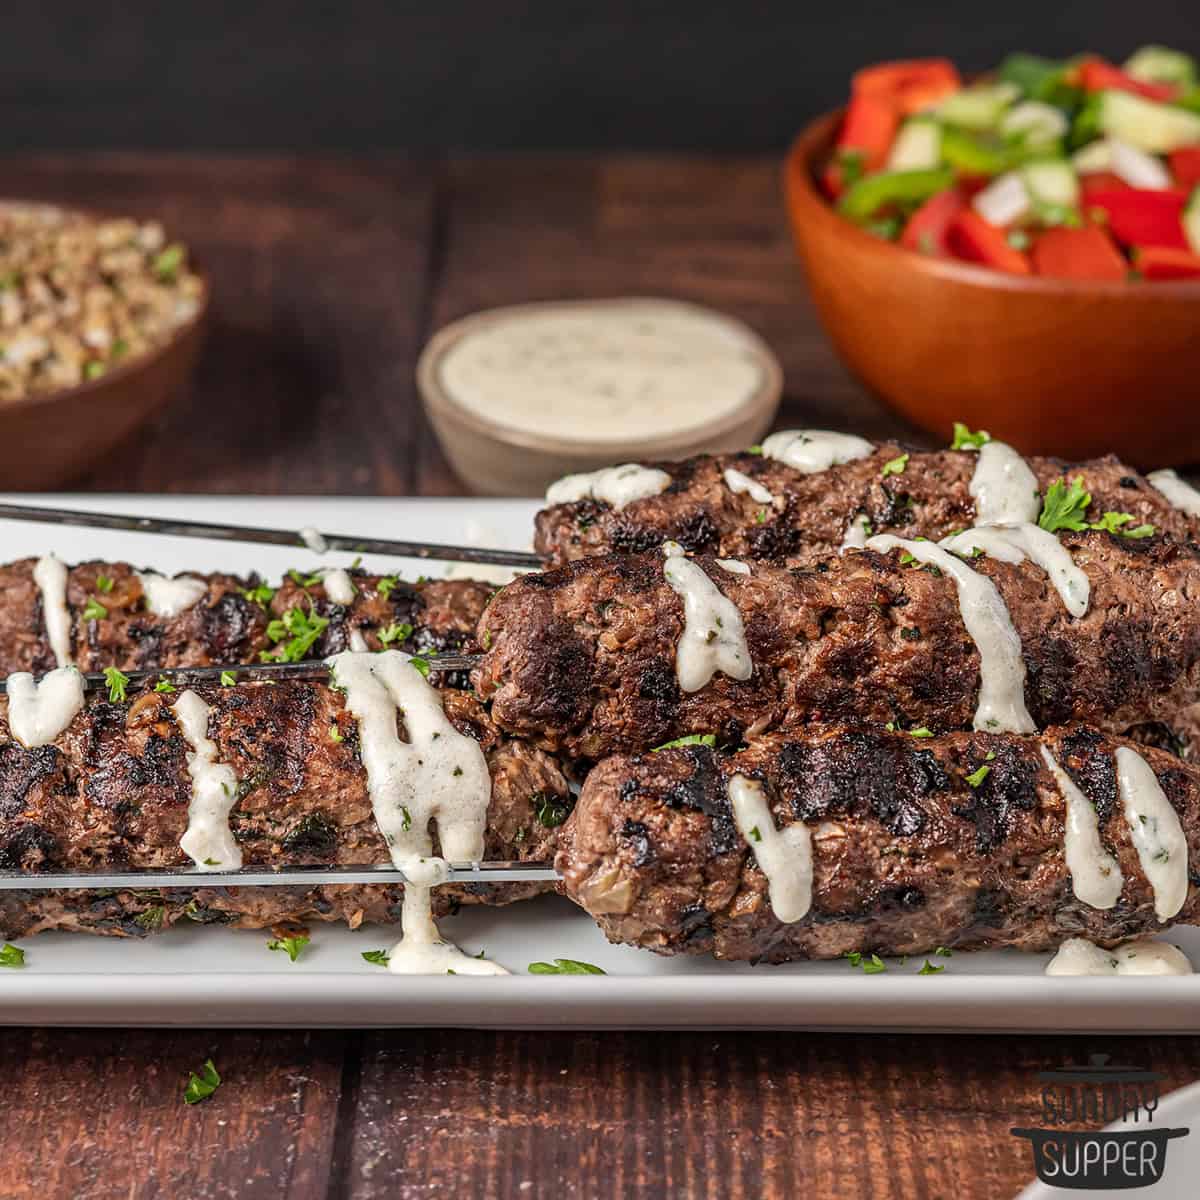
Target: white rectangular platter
(214, 977)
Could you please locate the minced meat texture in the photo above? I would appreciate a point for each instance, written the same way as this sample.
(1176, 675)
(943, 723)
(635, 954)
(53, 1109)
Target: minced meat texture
(113, 792)
(908, 855)
(810, 513)
(582, 659)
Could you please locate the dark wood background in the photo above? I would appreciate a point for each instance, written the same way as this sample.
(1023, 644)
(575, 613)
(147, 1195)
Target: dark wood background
(733, 75)
(329, 275)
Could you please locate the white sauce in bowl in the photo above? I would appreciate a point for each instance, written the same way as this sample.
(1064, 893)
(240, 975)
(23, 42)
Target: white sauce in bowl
(170, 597)
(209, 841)
(1155, 831)
(1095, 874)
(811, 450)
(1178, 491)
(616, 486)
(51, 577)
(39, 712)
(614, 372)
(738, 483)
(783, 855)
(1001, 705)
(714, 638)
(1146, 956)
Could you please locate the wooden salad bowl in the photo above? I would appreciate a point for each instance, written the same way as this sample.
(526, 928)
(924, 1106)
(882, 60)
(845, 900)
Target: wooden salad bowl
(1065, 367)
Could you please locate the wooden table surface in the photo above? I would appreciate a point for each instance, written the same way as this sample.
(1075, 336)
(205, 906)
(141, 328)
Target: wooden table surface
(329, 276)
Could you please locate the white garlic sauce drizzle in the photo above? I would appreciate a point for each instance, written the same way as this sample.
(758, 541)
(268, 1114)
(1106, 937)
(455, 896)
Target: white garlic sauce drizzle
(1001, 705)
(208, 842)
(358, 643)
(339, 587)
(783, 855)
(438, 775)
(314, 540)
(1015, 543)
(1003, 487)
(738, 483)
(1095, 874)
(39, 712)
(811, 450)
(1178, 491)
(1155, 831)
(714, 638)
(1146, 956)
(169, 597)
(50, 575)
(616, 486)
(733, 566)
(857, 533)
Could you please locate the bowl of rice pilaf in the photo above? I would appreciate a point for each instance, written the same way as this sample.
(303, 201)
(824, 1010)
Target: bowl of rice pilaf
(100, 324)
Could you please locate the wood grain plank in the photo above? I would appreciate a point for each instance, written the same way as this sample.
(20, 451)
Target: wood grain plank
(319, 274)
(99, 1114)
(702, 229)
(614, 1115)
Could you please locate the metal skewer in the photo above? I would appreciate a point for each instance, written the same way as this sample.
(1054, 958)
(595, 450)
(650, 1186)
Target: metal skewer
(268, 537)
(194, 877)
(258, 673)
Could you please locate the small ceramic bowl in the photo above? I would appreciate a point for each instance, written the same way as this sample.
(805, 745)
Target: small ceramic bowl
(49, 439)
(500, 460)
(1062, 367)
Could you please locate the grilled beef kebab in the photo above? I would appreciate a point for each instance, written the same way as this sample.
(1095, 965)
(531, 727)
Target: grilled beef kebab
(797, 498)
(824, 843)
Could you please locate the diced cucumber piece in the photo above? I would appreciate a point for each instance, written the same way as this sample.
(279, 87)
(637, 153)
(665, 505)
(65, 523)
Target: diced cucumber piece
(1137, 168)
(1158, 64)
(1004, 201)
(1095, 156)
(1034, 123)
(917, 147)
(1052, 184)
(1191, 220)
(1156, 128)
(979, 107)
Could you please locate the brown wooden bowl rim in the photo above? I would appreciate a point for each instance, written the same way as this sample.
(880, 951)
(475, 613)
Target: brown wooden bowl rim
(812, 143)
(766, 396)
(126, 370)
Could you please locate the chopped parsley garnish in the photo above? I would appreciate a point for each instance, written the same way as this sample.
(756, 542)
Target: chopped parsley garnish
(335, 734)
(228, 679)
(263, 594)
(167, 262)
(907, 559)
(385, 585)
(1065, 507)
(300, 628)
(152, 917)
(104, 583)
(942, 952)
(692, 739)
(550, 809)
(164, 685)
(94, 610)
(201, 1086)
(760, 517)
(564, 966)
(977, 777)
(406, 822)
(920, 732)
(305, 581)
(395, 633)
(290, 945)
(756, 834)
(869, 966)
(930, 969)
(378, 958)
(486, 640)
(754, 450)
(894, 466)
(11, 956)
(420, 664)
(117, 683)
(964, 439)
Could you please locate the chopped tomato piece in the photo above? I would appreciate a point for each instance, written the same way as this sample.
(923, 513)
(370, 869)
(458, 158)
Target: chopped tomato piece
(1086, 253)
(1185, 166)
(867, 132)
(973, 239)
(1141, 217)
(910, 84)
(927, 228)
(1096, 75)
(1097, 183)
(1162, 262)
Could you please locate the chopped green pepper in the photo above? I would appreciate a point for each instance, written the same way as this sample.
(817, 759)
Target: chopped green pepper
(904, 189)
